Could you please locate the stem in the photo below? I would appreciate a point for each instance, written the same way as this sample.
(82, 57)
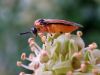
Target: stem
(26, 67)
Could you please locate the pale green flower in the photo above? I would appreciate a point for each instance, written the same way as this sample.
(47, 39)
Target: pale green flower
(62, 54)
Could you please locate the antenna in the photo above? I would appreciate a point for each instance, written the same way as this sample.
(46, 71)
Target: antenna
(33, 30)
(25, 33)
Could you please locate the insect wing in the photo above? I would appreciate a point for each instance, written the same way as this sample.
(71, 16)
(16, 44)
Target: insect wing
(62, 22)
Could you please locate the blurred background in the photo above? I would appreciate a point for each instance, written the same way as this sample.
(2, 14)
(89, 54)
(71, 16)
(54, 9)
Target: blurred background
(18, 16)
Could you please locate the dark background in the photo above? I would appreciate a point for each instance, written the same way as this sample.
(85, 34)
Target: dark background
(18, 15)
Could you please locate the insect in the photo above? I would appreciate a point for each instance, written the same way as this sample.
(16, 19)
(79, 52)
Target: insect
(54, 26)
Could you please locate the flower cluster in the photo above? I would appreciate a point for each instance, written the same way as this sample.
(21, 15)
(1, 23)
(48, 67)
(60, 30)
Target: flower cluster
(62, 54)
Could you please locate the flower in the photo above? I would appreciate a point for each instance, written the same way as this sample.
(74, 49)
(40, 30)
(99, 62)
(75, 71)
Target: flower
(61, 54)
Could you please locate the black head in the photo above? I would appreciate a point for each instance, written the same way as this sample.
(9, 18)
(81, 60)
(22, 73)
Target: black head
(34, 30)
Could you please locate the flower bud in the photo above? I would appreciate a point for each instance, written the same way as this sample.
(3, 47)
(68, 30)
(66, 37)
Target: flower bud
(93, 46)
(44, 57)
(31, 56)
(68, 35)
(21, 73)
(43, 38)
(23, 56)
(83, 67)
(30, 40)
(40, 35)
(95, 71)
(79, 33)
(36, 65)
(19, 63)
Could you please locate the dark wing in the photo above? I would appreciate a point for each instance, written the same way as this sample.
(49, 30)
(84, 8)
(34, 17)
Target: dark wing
(64, 22)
